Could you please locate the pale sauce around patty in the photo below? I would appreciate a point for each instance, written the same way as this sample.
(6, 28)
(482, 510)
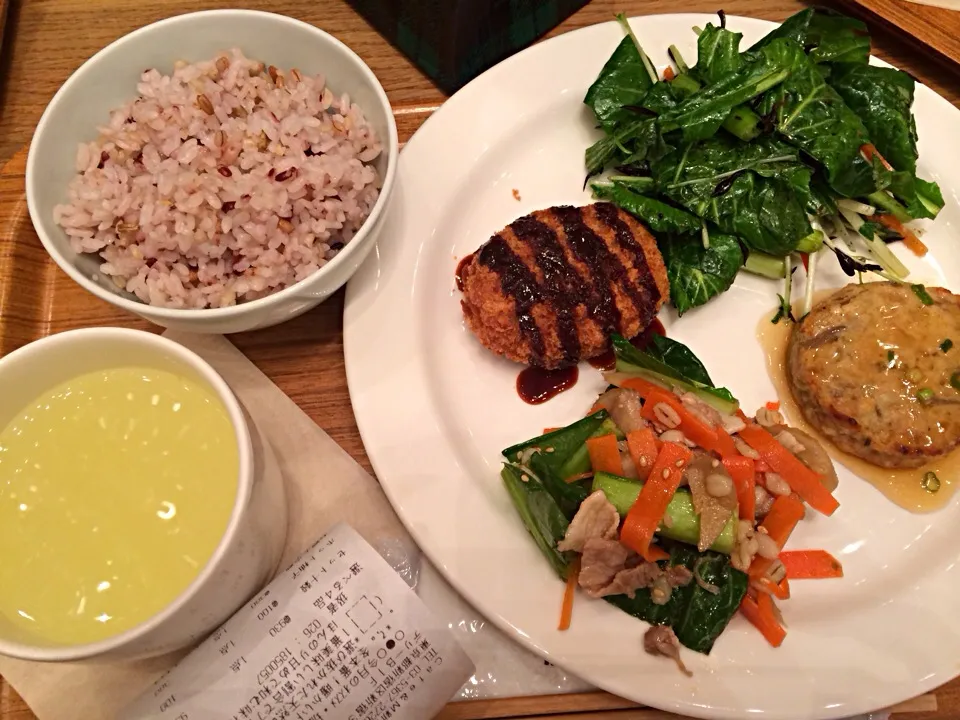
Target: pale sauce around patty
(904, 487)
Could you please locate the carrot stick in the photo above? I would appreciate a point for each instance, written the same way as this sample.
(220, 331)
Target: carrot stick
(655, 553)
(912, 242)
(566, 610)
(605, 454)
(690, 425)
(780, 590)
(669, 74)
(783, 517)
(648, 510)
(642, 445)
(810, 564)
(724, 444)
(869, 151)
(801, 479)
(742, 470)
(761, 614)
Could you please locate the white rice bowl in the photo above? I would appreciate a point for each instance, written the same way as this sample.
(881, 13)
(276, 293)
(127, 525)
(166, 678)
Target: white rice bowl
(225, 182)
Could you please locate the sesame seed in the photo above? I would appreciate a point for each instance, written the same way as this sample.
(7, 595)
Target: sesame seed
(666, 473)
(643, 462)
(714, 463)
(679, 463)
(525, 478)
(549, 449)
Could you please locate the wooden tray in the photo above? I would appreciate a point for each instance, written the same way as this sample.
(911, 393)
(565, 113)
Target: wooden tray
(933, 27)
(304, 357)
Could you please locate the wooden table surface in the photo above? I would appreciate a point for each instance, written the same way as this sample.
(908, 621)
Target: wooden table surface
(46, 40)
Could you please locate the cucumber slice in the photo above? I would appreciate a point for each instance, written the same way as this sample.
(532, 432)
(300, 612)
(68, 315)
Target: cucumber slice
(685, 523)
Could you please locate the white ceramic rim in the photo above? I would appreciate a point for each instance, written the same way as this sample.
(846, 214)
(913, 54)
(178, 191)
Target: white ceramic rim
(244, 485)
(391, 144)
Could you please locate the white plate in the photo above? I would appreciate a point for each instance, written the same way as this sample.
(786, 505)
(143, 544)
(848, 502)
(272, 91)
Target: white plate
(435, 409)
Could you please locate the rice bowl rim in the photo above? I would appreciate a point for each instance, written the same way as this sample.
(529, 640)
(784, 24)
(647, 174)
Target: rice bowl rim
(390, 146)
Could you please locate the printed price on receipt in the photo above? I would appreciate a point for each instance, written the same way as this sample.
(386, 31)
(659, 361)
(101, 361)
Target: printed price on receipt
(338, 635)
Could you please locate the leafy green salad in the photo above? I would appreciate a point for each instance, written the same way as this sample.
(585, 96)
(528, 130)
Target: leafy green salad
(758, 159)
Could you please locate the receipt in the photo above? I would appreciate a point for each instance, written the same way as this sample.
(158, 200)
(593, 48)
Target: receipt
(338, 635)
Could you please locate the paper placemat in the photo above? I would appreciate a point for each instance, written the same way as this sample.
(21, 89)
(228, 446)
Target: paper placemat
(325, 486)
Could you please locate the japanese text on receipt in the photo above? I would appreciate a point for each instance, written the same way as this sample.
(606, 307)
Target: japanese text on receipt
(337, 635)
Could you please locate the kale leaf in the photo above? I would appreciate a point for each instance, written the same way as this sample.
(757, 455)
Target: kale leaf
(698, 274)
(718, 54)
(697, 616)
(622, 82)
(655, 214)
(746, 189)
(811, 115)
(882, 97)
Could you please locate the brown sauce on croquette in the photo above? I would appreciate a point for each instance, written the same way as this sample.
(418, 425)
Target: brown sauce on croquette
(551, 287)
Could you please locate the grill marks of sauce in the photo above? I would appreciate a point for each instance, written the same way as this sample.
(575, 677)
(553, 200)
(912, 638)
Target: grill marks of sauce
(561, 283)
(608, 214)
(604, 267)
(577, 268)
(518, 282)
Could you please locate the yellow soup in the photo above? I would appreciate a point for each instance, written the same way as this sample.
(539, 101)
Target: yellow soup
(115, 489)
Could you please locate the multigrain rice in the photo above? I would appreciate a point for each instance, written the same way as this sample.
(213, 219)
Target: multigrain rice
(225, 182)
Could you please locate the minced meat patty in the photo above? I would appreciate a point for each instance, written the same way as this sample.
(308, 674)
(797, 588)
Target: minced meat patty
(550, 288)
(871, 369)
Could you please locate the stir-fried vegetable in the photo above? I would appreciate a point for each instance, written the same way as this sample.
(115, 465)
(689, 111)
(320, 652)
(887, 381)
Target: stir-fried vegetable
(724, 445)
(660, 404)
(629, 530)
(605, 454)
(801, 479)
(647, 512)
(743, 471)
(668, 364)
(679, 521)
(810, 564)
(569, 592)
(697, 616)
(642, 446)
(540, 514)
(777, 525)
(761, 613)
